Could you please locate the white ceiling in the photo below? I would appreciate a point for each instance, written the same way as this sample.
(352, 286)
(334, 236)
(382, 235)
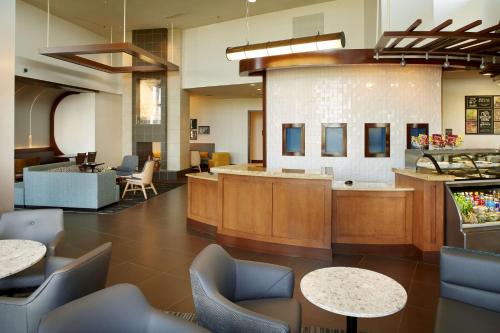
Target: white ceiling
(99, 15)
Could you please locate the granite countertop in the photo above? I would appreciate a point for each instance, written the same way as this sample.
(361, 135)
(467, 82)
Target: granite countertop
(257, 170)
(17, 255)
(203, 175)
(368, 186)
(353, 292)
(424, 176)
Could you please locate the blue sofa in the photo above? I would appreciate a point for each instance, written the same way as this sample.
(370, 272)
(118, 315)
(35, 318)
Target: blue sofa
(45, 188)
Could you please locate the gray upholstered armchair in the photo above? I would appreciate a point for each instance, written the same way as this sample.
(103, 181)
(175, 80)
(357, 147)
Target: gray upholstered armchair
(129, 165)
(233, 295)
(41, 225)
(121, 308)
(470, 292)
(68, 279)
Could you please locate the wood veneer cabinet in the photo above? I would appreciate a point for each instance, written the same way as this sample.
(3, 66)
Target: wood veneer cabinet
(372, 217)
(428, 214)
(275, 210)
(202, 200)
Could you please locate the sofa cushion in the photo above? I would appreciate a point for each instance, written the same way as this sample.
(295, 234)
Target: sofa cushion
(457, 317)
(284, 309)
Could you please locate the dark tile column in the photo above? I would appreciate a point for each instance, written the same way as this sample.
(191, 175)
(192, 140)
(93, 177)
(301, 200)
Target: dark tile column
(156, 42)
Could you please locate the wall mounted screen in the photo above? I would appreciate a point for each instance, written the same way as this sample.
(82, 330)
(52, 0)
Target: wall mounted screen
(334, 140)
(377, 140)
(293, 139)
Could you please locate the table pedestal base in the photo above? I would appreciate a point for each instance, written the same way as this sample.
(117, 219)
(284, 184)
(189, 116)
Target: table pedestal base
(352, 325)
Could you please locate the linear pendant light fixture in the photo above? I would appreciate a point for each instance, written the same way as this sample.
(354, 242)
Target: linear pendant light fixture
(287, 46)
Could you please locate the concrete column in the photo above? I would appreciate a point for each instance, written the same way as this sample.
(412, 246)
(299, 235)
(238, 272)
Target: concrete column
(7, 70)
(177, 110)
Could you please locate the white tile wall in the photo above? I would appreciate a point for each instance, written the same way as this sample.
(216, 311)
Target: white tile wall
(354, 95)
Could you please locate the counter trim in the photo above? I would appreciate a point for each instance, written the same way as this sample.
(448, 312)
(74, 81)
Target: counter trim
(204, 176)
(259, 171)
(424, 176)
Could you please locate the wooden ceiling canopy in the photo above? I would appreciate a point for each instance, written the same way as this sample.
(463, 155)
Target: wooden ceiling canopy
(459, 49)
(478, 47)
(73, 54)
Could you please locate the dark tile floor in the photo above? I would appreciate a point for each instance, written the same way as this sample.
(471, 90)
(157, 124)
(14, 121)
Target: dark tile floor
(153, 250)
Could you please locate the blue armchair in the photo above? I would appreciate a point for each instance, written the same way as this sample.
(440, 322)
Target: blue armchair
(118, 309)
(470, 292)
(129, 166)
(233, 295)
(67, 280)
(41, 225)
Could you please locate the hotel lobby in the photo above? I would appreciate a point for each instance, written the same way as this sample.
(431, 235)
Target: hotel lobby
(292, 166)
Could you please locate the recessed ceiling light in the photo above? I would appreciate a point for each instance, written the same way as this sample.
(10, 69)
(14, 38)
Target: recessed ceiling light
(252, 1)
(259, 89)
(252, 84)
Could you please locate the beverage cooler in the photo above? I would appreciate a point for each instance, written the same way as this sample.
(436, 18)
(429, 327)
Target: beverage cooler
(473, 215)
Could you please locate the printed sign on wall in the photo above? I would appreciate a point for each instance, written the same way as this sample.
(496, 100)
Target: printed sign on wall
(482, 115)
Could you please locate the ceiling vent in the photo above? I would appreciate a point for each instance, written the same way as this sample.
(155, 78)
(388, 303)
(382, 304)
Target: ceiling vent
(308, 25)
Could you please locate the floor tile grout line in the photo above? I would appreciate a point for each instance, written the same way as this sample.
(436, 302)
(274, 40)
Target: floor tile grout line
(408, 295)
(182, 300)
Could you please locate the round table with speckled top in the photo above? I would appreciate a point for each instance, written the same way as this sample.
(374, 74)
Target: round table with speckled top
(353, 292)
(19, 254)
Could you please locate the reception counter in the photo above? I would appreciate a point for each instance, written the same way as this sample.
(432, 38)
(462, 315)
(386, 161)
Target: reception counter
(306, 213)
(279, 211)
(428, 214)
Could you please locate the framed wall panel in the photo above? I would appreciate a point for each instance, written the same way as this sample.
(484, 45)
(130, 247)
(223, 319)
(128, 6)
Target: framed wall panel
(377, 140)
(334, 139)
(293, 139)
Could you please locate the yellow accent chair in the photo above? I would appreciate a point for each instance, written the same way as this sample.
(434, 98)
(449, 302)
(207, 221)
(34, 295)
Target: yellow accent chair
(219, 159)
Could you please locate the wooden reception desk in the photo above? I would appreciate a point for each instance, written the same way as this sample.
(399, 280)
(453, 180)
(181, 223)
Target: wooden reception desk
(280, 211)
(309, 214)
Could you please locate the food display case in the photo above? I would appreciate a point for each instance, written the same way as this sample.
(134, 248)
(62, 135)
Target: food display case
(464, 164)
(473, 215)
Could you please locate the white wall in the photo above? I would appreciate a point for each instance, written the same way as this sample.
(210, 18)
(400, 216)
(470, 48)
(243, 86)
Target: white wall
(228, 121)
(454, 92)
(354, 95)
(40, 115)
(74, 124)
(7, 66)
(127, 104)
(399, 14)
(256, 135)
(108, 128)
(204, 48)
(31, 36)
(177, 110)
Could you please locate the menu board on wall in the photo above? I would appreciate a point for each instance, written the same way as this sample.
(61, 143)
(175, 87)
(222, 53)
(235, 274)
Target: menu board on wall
(482, 115)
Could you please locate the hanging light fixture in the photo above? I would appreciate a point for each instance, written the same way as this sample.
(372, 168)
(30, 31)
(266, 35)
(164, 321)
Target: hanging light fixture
(287, 46)
(403, 61)
(446, 63)
(482, 66)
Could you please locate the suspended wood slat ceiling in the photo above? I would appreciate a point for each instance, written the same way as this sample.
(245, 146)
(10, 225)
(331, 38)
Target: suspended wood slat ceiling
(483, 44)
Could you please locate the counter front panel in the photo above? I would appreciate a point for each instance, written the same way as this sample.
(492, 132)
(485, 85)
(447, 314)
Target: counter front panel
(276, 210)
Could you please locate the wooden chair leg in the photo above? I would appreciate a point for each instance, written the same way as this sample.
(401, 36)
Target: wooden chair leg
(125, 190)
(153, 188)
(144, 192)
